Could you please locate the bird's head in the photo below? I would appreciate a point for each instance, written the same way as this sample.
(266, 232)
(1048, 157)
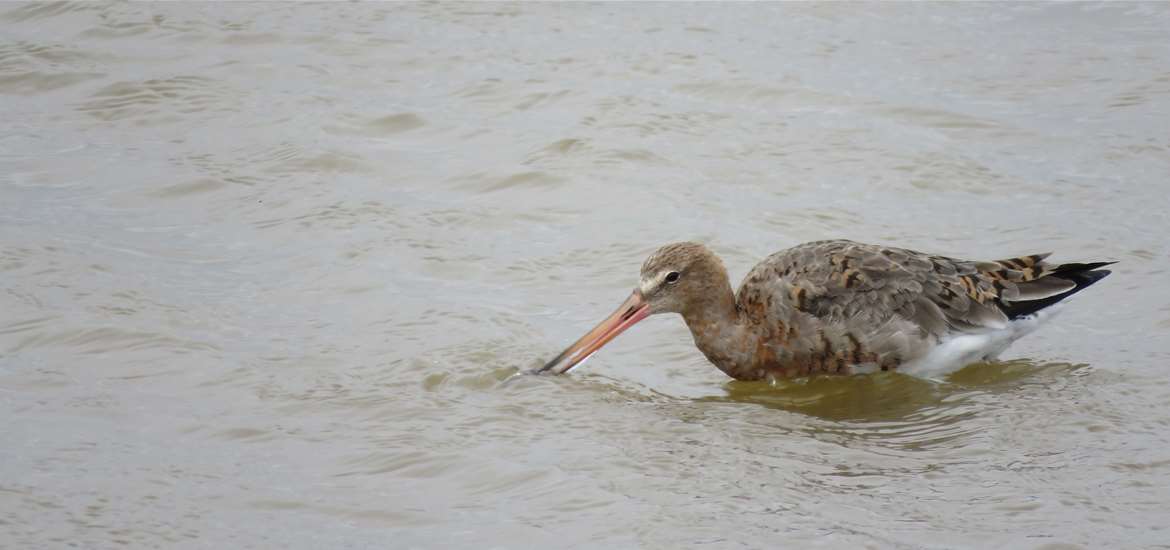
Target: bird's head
(674, 279)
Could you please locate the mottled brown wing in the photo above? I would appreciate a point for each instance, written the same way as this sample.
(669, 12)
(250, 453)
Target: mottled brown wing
(847, 282)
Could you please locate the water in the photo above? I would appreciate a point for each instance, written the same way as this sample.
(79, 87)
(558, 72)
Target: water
(265, 267)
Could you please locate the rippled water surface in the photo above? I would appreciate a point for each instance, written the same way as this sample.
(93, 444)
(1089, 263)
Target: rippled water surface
(265, 266)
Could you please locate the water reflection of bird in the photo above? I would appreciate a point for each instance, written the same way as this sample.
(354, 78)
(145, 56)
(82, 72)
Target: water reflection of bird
(840, 307)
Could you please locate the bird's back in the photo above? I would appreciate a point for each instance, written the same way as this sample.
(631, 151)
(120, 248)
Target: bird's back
(840, 306)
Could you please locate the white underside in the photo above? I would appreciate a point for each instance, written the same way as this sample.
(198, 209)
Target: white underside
(959, 350)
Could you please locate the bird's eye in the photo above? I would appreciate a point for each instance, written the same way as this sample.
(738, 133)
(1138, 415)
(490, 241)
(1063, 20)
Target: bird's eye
(672, 277)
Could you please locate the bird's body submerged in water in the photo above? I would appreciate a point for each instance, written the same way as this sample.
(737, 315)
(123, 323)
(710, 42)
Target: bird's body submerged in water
(840, 307)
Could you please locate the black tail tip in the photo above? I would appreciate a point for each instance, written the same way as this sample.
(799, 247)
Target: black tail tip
(1082, 276)
(1093, 276)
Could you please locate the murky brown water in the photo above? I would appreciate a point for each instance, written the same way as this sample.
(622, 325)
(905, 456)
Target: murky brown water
(265, 265)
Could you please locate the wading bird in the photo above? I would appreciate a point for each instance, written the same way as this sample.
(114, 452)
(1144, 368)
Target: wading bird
(841, 307)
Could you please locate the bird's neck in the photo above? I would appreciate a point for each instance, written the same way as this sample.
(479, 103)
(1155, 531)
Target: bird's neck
(718, 328)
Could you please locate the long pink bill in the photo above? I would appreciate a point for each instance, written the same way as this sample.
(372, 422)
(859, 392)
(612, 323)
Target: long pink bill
(634, 309)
